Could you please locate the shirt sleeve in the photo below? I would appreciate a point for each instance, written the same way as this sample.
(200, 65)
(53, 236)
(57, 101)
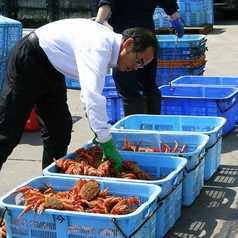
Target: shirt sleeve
(92, 68)
(169, 6)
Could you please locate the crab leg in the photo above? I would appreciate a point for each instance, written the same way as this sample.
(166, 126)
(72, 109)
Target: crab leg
(182, 150)
(154, 149)
(166, 147)
(175, 147)
(23, 189)
(138, 145)
(26, 210)
(126, 142)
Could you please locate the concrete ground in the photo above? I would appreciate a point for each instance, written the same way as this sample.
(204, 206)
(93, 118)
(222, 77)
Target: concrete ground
(214, 213)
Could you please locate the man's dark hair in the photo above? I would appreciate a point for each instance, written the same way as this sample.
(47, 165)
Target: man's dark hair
(143, 38)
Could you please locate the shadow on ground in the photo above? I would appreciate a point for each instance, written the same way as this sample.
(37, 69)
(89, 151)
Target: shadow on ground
(212, 204)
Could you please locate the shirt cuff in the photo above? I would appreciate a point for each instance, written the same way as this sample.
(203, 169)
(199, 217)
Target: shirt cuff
(105, 140)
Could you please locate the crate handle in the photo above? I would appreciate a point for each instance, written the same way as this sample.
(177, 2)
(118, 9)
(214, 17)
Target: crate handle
(216, 141)
(198, 54)
(199, 44)
(188, 171)
(122, 232)
(227, 108)
(174, 187)
(1, 220)
(195, 66)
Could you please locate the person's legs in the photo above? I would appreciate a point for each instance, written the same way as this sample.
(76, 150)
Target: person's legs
(31, 79)
(20, 91)
(147, 84)
(55, 122)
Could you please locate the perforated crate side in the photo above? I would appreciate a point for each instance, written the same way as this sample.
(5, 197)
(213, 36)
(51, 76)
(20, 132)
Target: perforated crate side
(182, 53)
(194, 18)
(115, 110)
(55, 223)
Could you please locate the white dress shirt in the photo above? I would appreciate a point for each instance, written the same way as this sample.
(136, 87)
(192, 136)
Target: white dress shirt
(84, 50)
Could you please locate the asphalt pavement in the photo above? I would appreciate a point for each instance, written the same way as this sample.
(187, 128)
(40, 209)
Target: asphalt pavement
(214, 213)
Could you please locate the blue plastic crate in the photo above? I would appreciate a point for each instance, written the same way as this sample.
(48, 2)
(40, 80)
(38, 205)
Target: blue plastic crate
(154, 165)
(229, 82)
(110, 92)
(168, 41)
(72, 84)
(182, 53)
(163, 73)
(207, 81)
(194, 18)
(75, 84)
(114, 105)
(194, 152)
(10, 33)
(59, 223)
(211, 126)
(201, 101)
(114, 109)
(192, 5)
(109, 81)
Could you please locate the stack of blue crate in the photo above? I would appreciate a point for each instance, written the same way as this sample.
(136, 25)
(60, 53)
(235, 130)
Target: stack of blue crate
(10, 33)
(188, 59)
(193, 13)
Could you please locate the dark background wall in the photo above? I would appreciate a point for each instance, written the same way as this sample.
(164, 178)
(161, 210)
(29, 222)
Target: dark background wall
(35, 13)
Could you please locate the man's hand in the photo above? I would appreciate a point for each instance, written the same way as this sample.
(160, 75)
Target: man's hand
(109, 151)
(178, 26)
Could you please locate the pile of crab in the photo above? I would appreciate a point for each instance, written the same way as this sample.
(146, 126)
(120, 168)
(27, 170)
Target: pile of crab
(88, 162)
(165, 148)
(83, 197)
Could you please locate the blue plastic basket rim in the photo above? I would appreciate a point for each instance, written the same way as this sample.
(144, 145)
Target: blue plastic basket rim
(185, 154)
(185, 38)
(156, 193)
(235, 91)
(207, 77)
(217, 127)
(183, 162)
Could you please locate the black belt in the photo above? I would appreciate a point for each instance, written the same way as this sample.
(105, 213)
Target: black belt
(33, 44)
(33, 39)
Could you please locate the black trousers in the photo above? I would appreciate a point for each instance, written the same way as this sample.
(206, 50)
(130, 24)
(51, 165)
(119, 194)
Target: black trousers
(31, 81)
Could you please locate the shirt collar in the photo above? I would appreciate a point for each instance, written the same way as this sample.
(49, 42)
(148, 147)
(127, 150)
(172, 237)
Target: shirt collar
(115, 50)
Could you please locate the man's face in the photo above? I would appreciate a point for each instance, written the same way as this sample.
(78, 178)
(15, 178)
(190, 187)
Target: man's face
(128, 60)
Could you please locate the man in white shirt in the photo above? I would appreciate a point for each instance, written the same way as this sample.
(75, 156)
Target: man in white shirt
(82, 50)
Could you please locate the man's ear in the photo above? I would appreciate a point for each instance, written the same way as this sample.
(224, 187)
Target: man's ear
(128, 44)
